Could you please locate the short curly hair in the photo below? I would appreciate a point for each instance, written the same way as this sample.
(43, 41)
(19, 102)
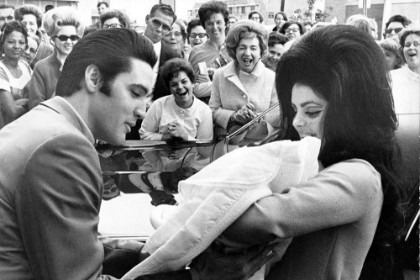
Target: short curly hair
(58, 17)
(255, 12)
(246, 29)
(11, 26)
(213, 7)
(29, 9)
(122, 18)
(173, 67)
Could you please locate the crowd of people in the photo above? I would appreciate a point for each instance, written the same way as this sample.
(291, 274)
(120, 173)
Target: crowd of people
(63, 86)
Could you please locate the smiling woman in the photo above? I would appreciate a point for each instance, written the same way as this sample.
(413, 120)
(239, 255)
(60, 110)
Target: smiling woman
(179, 115)
(345, 220)
(14, 72)
(65, 27)
(245, 87)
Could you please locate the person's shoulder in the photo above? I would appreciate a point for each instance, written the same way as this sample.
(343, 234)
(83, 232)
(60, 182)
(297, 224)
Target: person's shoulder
(168, 51)
(356, 171)
(197, 50)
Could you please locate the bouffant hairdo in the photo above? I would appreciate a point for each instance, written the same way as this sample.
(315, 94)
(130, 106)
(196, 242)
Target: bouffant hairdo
(29, 9)
(56, 18)
(246, 29)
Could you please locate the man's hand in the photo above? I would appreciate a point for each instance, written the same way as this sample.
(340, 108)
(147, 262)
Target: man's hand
(213, 264)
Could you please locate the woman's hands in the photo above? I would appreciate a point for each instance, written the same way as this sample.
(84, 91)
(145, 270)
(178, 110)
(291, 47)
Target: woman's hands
(213, 264)
(245, 114)
(175, 130)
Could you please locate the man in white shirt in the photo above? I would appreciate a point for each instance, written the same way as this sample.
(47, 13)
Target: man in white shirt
(158, 23)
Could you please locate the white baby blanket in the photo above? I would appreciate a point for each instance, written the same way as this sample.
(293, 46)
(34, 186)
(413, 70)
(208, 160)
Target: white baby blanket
(217, 195)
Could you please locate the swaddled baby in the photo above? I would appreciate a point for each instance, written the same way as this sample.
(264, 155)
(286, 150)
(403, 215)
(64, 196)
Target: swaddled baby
(212, 199)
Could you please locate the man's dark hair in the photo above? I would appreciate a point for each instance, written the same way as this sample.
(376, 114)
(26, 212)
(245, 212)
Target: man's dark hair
(398, 18)
(213, 7)
(102, 3)
(108, 49)
(122, 18)
(49, 7)
(164, 9)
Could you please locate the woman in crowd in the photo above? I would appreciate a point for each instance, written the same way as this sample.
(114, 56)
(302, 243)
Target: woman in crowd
(30, 52)
(405, 88)
(196, 34)
(65, 27)
(280, 18)
(293, 30)
(276, 48)
(31, 16)
(176, 38)
(245, 87)
(212, 54)
(256, 16)
(391, 51)
(179, 115)
(14, 72)
(345, 220)
(114, 19)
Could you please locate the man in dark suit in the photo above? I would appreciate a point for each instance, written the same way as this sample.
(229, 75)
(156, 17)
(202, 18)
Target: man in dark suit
(158, 24)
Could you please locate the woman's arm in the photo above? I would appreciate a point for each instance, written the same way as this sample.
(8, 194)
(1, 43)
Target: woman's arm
(220, 116)
(150, 125)
(338, 195)
(10, 109)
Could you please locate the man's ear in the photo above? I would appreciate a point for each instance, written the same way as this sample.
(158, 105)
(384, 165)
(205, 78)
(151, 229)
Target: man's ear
(147, 18)
(93, 78)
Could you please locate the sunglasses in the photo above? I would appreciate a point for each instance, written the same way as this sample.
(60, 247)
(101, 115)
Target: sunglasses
(64, 38)
(396, 30)
(157, 24)
(199, 35)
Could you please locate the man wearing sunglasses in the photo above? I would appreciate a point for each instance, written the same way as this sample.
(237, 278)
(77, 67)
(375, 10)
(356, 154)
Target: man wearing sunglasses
(394, 26)
(6, 15)
(158, 23)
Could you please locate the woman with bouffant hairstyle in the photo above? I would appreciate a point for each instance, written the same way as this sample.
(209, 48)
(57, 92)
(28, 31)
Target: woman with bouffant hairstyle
(31, 16)
(333, 85)
(65, 27)
(245, 87)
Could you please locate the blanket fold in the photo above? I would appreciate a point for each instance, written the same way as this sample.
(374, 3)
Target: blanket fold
(215, 197)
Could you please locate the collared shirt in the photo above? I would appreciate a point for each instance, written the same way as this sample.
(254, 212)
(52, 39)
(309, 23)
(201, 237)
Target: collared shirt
(197, 120)
(158, 47)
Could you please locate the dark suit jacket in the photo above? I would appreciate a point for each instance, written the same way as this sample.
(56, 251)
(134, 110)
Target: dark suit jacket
(160, 90)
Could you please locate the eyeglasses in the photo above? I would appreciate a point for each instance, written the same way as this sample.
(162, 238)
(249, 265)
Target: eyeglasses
(157, 23)
(294, 30)
(64, 38)
(199, 35)
(396, 30)
(177, 34)
(6, 18)
(113, 25)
